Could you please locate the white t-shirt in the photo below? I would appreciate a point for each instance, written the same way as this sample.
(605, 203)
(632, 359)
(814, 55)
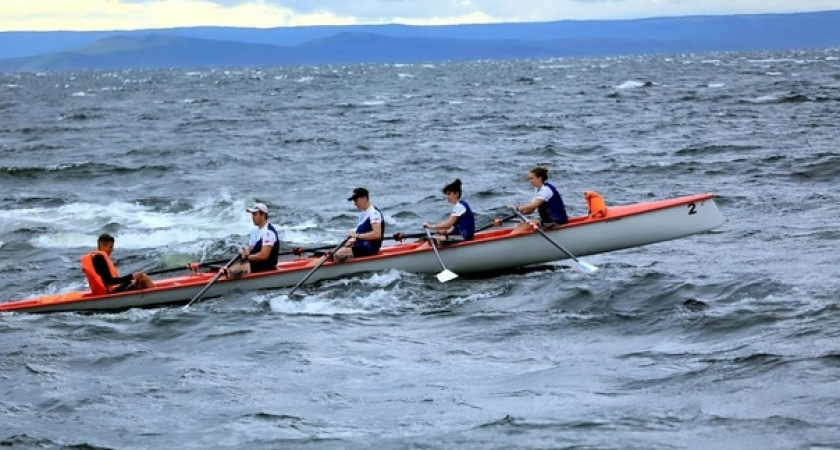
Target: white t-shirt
(458, 209)
(263, 234)
(543, 193)
(371, 213)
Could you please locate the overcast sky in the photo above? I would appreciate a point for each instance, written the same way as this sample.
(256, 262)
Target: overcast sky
(19, 15)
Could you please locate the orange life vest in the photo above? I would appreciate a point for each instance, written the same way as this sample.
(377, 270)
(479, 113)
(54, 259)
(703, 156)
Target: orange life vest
(596, 203)
(97, 285)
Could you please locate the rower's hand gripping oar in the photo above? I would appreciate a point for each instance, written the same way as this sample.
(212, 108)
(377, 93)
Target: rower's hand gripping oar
(317, 266)
(583, 266)
(213, 280)
(446, 274)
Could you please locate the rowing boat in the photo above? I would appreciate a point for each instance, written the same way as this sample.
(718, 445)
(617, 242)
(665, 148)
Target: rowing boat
(498, 249)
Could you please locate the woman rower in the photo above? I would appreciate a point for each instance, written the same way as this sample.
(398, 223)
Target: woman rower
(460, 225)
(547, 201)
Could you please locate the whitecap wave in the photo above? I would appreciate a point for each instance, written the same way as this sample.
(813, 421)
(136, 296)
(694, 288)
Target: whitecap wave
(373, 293)
(142, 226)
(632, 84)
(282, 304)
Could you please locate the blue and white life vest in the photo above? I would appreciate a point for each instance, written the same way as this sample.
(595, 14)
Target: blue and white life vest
(365, 226)
(256, 247)
(553, 210)
(465, 224)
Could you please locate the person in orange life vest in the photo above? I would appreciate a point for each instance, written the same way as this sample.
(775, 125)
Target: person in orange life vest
(101, 274)
(263, 248)
(547, 201)
(366, 238)
(460, 226)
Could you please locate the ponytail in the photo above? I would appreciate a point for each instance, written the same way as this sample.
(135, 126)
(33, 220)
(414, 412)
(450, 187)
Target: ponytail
(454, 186)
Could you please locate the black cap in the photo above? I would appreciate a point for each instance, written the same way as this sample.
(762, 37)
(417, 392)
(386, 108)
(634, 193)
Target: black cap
(359, 192)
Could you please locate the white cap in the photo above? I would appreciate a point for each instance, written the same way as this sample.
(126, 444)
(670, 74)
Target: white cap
(258, 207)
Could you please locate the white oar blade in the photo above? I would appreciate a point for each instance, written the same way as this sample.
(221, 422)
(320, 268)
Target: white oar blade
(587, 268)
(446, 275)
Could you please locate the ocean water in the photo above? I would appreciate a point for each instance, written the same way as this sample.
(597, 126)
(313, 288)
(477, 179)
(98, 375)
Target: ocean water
(727, 339)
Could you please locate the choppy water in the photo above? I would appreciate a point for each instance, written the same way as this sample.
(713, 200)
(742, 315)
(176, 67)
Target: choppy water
(723, 340)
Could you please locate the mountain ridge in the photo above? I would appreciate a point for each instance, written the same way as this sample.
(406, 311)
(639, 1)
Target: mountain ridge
(226, 46)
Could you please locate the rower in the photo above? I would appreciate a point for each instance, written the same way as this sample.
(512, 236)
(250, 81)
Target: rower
(460, 225)
(366, 238)
(547, 201)
(263, 249)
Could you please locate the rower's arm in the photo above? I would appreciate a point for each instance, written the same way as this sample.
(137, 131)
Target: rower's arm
(528, 208)
(374, 235)
(263, 254)
(446, 224)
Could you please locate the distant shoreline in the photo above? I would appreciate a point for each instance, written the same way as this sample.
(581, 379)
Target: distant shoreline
(216, 47)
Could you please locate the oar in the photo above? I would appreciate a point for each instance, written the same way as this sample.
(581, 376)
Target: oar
(404, 236)
(584, 267)
(193, 266)
(444, 275)
(213, 280)
(317, 266)
(189, 266)
(493, 223)
(299, 250)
